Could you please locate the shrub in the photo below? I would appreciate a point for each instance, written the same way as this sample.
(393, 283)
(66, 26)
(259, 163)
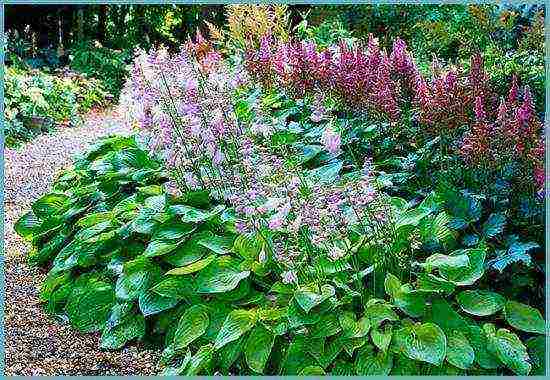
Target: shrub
(36, 101)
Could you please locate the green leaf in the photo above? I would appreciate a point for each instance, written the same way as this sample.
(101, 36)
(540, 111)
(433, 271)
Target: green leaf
(392, 285)
(325, 174)
(173, 231)
(88, 305)
(381, 337)
(192, 268)
(122, 326)
(258, 348)
(159, 248)
(483, 357)
(220, 276)
(509, 349)
(524, 317)
(217, 244)
(178, 287)
(465, 276)
(368, 363)
(50, 204)
(237, 323)
(308, 296)
(137, 276)
(459, 351)
(26, 225)
(188, 252)
(446, 263)
(537, 352)
(480, 302)
(312, 370)
(192, 325)
(411, 302)
(494, 225)
(200, 360)
(380, 312)
(352, 328)
(428, 282)
(151, 303)
(424, 342)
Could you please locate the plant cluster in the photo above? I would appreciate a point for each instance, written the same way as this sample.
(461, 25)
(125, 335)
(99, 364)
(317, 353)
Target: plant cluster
(35, 101)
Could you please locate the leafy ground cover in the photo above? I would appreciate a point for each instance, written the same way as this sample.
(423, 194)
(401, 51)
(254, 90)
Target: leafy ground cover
(36, 101)
(306, 207)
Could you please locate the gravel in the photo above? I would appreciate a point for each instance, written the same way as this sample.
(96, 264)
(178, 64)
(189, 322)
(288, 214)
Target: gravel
(35, 343)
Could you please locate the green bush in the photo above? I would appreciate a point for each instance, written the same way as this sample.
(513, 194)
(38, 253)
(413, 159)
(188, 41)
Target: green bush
(134, 262)
(107, 65)
(36, 101)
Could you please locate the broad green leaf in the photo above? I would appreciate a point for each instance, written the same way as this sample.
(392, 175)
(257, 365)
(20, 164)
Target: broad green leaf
(483, 357)
(160, 247)
(192, 268)
(237, 323)
(151, 303)
(189, 251)
(220, 276)
(446, 263)
(26, 225)
(119, 331)
(424, 342)
(428, 282)
(509, 349)
(173, 231)
(381, 337)
(352, 328)
(459, 351)
(258, 348)
(88, 305)
(200, 360)
(524, 317)
(50, 204)
(380, 312)
(192, 325)
(178, 287)
(392, 285)
(465, 276)
(312, 370)
(537, 353)
(309, 296)
(369, 363)
(217, 244)
(480, 302)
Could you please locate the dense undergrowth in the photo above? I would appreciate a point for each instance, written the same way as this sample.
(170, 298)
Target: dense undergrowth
(307, 207)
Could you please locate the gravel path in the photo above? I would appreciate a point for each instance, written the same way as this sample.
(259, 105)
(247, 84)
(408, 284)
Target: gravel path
(35, 344)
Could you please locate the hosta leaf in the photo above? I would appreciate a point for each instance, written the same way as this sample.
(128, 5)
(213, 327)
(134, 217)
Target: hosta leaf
(509, 349)
(237, 323)
(524, 317)
(258, 348)
(160, 247)
(88, 306)
(328, 325)
(352, 328)
(459, 351)
(392, 285)
(50, 204)
(309, 296)
(483, 357)
(423, 342)
(217, 244)
(516, 252)
(153, 303)
(381, 337)
(200, 360)
(430, 283)
(26, 225)
(369, 363)
(192, 325)
(312, 370)
(537, 352)
(175, 287)
(192, 268)
(446, 263)
(480, 302)
(130, 327)
(188, 252)
(137, 275)
(494, 225)
(326, 173)
(411, 302)
(466, 275)
(380, 312)
(220, 276)
(173, 231)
